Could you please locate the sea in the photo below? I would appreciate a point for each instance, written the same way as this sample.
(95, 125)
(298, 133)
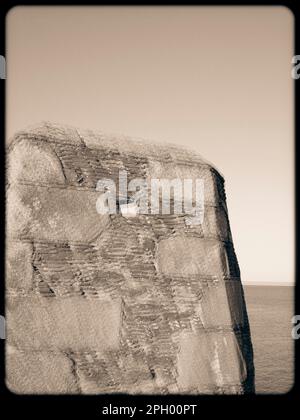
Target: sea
(270, 311)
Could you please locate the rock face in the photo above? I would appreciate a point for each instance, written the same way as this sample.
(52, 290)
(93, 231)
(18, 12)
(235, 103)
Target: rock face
(104, 303)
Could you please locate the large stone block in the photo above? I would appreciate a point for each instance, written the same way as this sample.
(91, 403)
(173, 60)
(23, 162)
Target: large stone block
(30, 372)
(32, 162)
(62, 324)
(19, 270)
(53, 214)
(210, 355)
(185, 256)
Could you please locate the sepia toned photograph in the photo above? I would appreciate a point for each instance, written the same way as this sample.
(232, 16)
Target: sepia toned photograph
(149, 237)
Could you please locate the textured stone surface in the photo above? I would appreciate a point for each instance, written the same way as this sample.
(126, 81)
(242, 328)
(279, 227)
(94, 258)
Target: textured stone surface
(45, 213)
(40, 372)
(72, 323)
(19, 266)
(106, 303)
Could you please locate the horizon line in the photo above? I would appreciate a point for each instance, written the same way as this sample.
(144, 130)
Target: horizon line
(273, 283)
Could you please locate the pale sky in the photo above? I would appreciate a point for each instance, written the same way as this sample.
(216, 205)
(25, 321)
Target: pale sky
(216, 79)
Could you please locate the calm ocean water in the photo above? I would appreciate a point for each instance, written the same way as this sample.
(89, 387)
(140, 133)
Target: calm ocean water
(270, 310)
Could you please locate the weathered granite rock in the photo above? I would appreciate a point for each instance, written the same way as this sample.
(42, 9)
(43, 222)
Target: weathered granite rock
(108, 303)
